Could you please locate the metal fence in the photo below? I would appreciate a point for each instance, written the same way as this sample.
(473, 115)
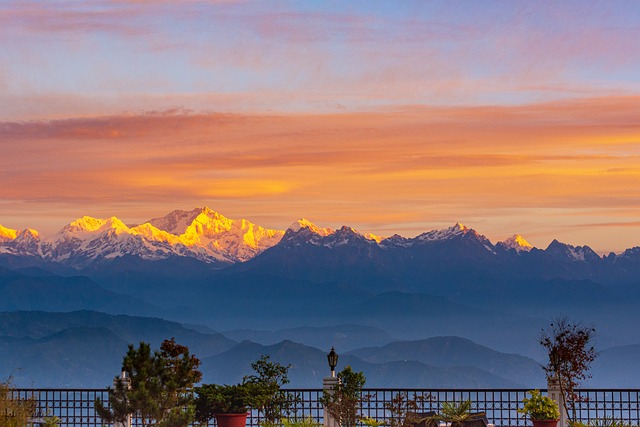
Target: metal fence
(75, 407)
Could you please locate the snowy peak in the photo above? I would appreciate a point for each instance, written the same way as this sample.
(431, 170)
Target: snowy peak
(567, 252)
(19, 242)
(178, 221)
(518, 243)
(435, 235)
(306, 224)
(88, 224)
(7, 234)
(238, 240)
(305, 232)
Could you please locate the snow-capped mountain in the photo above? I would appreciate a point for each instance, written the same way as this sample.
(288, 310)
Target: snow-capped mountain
(237, 240)
(516, 242)
(305, 232)
(565, 252)
(201, 233)
(208, 236)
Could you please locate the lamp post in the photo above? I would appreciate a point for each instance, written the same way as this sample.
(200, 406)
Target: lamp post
(332, 357)
(329, 385)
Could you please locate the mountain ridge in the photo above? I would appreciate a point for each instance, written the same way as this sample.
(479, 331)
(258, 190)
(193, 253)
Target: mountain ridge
(209, 236)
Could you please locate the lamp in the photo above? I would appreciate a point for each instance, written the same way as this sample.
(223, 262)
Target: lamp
(332, 357)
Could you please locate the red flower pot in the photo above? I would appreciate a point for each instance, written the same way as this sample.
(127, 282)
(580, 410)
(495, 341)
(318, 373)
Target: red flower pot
(544, 423)
(231, 420)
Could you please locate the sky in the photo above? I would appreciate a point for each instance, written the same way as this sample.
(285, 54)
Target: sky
(390, 117)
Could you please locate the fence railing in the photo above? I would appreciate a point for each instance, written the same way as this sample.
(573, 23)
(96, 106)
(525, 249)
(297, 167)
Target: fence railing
(75, 407)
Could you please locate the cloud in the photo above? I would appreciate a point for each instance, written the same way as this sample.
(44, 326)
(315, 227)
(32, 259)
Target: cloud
(411, 165)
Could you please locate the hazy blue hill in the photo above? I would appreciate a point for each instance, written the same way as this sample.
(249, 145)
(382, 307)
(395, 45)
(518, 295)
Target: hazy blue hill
(309, 366)
(161, 282)
(130, 329)
(75, 357)
(616, 367)
(455, 351)
(411, 374)
(57, 293)
(344, 337)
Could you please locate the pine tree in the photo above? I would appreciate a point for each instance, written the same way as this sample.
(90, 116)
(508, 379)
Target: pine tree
(157, 388)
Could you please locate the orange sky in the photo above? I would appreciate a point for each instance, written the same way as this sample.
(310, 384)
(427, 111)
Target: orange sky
(568, 170)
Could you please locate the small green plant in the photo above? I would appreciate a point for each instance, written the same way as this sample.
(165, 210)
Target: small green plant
(51, 421)
(608, 422)
(539, 407)
(454, 413)
(304, 422)
(371, 422)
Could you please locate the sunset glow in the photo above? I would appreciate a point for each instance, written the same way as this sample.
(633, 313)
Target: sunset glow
(509, 117)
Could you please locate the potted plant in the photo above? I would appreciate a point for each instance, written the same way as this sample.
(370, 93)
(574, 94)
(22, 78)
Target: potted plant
(229, 404)
(460, 415)
(541, 410)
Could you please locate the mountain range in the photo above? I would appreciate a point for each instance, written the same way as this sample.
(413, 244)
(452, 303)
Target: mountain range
(272, 286)
(209, 236)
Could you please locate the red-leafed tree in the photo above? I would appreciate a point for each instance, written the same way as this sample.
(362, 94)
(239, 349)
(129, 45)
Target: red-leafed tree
(570, 354)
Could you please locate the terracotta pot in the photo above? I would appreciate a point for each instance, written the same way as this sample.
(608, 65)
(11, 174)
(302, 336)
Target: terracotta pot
(544, 423)
(231, 420)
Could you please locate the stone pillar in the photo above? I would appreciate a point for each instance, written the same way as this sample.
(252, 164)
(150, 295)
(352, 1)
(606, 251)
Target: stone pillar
(328, 387)
(553, 386)
(124, 378)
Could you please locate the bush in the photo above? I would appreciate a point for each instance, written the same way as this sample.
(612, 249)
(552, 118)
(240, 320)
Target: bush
(539, 407)
(14, 411)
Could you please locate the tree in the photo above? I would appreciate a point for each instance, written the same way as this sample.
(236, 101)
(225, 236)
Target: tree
(157, 388)
(570, 356)
(269, 378)
(14, 410)
(343, 403)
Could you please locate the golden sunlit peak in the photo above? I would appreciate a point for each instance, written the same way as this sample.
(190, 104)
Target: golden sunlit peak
(7, 233)
(88, 224)
(305, 223)
(373, 237)
(459, 227)
(30, 232)
(518, 243)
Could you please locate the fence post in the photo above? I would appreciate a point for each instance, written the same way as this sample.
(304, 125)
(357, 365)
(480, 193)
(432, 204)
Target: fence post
(553, 386)
(127, 383)
(328, 387)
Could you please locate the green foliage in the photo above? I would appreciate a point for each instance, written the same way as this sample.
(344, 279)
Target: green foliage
(609, 422)
(343, 403)
(225, 399)
(401, 408)
(539, 407)
(304, 422)
(601, 422)
(261, 391)
(454, 413)
(14, 411)
(570, 356)
(269, 377)
(158, 387)
(371, 422)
